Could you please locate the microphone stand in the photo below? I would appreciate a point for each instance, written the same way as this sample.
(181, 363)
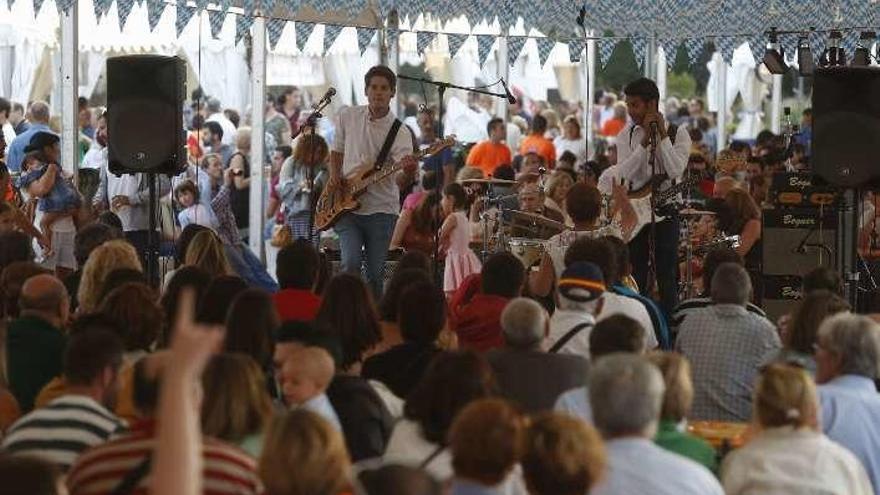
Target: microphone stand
(312, 122)
(438, 188)
(651, 279)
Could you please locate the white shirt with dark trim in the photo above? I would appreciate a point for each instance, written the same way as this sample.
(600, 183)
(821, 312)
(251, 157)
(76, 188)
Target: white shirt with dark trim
(360, 138)
(62, 430)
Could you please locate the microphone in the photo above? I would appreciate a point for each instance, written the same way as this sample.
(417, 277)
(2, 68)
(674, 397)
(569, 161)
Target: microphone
(510, 98)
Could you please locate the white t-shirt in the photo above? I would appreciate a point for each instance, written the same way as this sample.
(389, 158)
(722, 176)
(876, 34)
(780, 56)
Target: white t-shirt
(556, 245)
(8, 135)
(198, 214)
(63, 241)
(578, 147)
(359, 138)
(229, 130)
(95, 158)
(615, 303)
(562, 322)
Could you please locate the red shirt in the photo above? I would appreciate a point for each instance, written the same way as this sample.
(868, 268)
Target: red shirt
(476, 317)
(296, 304)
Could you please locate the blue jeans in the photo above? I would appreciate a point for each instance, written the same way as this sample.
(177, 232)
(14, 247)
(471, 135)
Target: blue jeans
(366, 237)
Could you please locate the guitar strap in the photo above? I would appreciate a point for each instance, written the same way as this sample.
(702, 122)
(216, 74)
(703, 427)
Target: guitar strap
(386, 146)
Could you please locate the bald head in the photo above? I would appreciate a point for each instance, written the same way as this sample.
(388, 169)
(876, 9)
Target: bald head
(44, 295)
(39, 112)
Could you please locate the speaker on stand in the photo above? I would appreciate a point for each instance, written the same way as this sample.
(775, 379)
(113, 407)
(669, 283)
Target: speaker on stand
(846, 128)
(145, 128)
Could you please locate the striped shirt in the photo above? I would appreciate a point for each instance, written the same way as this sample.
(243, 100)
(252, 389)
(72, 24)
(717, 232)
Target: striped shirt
(227, 470)
(62, 430)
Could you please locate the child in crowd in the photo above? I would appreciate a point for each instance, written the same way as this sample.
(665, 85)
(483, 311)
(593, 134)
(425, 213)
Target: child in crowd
(187, 195)
(305, 376)
(455, 239)
(58, 198)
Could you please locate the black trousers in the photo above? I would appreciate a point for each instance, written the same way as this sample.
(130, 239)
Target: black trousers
(666, 256)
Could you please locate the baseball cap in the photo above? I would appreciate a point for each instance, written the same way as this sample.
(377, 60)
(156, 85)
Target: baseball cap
(40, 140)
(581, 281)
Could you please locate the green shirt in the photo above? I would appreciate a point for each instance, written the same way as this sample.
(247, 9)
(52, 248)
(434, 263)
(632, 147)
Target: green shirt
(34, 354)
(671, 438)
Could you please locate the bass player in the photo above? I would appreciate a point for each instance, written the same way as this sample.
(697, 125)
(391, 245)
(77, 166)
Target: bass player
(361, 135)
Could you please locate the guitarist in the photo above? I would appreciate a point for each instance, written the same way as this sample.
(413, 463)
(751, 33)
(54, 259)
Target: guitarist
(633, 165)
(362, 131)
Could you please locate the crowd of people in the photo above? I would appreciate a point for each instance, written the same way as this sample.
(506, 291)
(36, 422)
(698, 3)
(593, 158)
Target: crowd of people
(450, 370)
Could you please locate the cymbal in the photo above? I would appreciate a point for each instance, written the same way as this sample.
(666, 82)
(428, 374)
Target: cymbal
(520, 217)
(690, 212)
(497, 182)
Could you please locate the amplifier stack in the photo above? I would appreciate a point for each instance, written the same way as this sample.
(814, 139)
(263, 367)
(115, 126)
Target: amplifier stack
(799, 234)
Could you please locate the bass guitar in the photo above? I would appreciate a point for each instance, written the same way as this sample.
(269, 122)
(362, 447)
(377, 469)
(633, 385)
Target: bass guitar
(339, 200)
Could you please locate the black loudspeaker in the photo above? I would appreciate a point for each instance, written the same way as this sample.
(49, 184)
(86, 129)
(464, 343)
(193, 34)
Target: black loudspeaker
(846, 125)
(797, 240)
(781, 293)
(145, 114)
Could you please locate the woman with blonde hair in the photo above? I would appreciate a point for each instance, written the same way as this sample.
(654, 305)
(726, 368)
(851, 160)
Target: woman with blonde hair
(303, 455)
(106, 258)
(789, 454)
(236, 405)
(206, 252)
(562, 455)
(677, 400)
(555, 191)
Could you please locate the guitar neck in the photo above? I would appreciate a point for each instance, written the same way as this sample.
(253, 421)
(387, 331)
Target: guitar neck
(383, 173)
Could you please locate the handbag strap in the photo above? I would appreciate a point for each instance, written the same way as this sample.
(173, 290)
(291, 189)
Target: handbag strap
(568, 336)
(133, 478)
(386, 146)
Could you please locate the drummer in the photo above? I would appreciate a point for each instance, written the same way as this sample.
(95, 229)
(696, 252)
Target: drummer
(532, 200)
(583, 203)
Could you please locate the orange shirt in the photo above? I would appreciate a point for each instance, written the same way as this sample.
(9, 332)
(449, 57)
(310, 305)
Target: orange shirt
(487, 156)
(613, 127)
(540, 145)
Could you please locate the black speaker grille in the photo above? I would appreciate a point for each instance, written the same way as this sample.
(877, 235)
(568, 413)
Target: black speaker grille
(846, 125)
(145, 114)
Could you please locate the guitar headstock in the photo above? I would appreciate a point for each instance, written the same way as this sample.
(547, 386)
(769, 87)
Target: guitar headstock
(439, 145)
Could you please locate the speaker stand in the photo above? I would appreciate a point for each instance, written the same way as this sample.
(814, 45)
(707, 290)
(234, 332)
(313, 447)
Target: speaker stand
(847, 243)
(152, 255)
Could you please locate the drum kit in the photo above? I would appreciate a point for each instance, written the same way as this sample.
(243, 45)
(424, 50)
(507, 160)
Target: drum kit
(505, 228)
(696, 241)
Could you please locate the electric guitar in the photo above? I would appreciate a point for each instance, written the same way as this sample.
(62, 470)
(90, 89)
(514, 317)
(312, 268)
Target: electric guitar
(336, 201)
(727, 162)
(641, 200)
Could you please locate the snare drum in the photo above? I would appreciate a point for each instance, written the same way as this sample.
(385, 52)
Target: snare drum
(528, 251)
